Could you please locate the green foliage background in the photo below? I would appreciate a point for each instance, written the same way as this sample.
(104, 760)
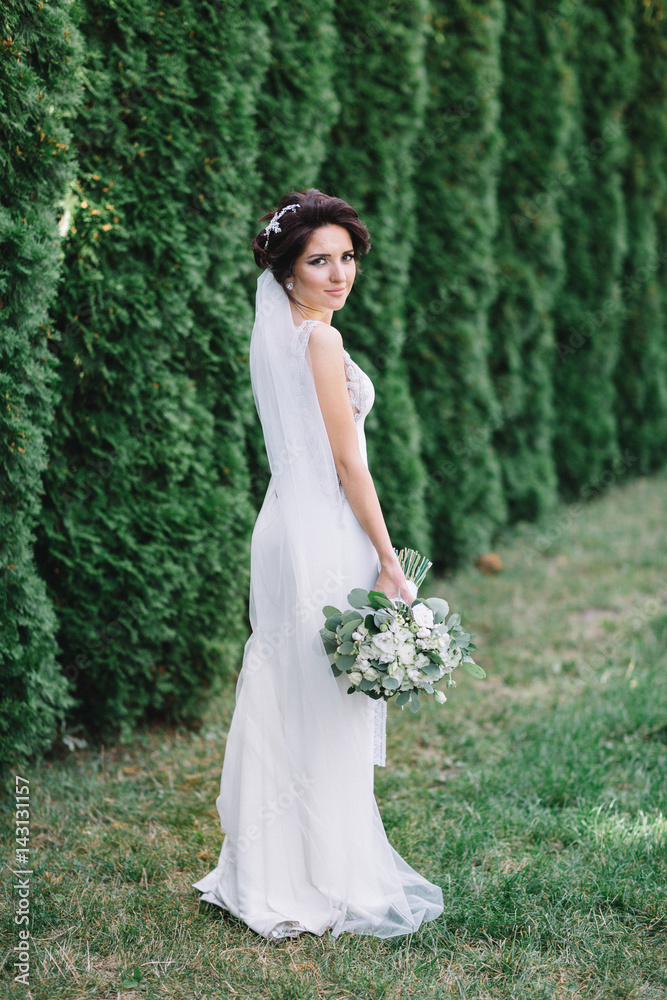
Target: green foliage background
(39, 72)
(510, 163)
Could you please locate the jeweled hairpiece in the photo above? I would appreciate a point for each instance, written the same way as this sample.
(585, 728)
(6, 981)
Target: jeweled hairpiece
(273, 226)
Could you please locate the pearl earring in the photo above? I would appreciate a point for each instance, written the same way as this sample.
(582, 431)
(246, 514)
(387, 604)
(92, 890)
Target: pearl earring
(289, 285)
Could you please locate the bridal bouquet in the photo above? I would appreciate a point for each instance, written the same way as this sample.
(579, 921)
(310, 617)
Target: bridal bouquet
(396, 649)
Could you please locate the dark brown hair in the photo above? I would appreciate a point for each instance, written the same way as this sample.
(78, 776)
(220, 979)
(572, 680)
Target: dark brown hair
(296, 227)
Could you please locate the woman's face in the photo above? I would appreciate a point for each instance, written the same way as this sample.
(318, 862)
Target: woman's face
(324, 273)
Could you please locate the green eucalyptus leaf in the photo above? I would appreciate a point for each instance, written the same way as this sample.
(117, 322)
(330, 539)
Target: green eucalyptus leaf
(377, 599)
(346, 647)
(474, 669)
(329, 640)
(358, 598)
(349, 627)
(431, 670)
(390, 683)
(329, 610)
(345, 662)
(403, 698)
(439, 607)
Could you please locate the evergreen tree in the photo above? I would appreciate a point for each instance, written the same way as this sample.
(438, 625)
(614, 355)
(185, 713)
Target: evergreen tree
(453, 279)
(536, 122)
(382, 88)
(144, 536)
(641, 372)
(39, 89)
(297, 103)
(589, 307)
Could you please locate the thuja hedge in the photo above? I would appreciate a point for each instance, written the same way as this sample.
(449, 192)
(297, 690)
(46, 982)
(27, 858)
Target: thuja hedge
(382, 90)
(453, 278)
(39, 62)
(641, 372)
(144, 535)
(297, 103)
(510, 163)
(589, 309)
(536, 122)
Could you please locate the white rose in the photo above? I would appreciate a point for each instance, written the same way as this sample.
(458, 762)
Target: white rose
(385, 644)
(423, 615)
(406, 654)
(440, 697)
(371, 674)
(355, 677)
(421, 660)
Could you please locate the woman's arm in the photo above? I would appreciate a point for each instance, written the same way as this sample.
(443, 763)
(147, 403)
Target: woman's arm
(326, 355)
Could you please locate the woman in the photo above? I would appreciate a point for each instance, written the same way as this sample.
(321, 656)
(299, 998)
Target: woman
(305, 849)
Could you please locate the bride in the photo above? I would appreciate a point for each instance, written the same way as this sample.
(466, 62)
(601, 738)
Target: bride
(305, 849)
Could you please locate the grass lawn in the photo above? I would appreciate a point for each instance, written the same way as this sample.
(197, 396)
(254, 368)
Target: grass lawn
(536, 799)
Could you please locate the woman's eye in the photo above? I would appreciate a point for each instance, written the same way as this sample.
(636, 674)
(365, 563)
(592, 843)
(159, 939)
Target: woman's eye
(322, 260)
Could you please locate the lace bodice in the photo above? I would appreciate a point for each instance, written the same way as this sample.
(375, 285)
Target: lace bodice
(359, 387)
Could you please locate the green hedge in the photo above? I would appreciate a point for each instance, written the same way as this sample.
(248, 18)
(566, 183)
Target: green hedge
(589, 310)
(39, 90)
(536, 122)
(641, 374)
(382, 89)
(453, 278)
(509, 161)
(145, 530)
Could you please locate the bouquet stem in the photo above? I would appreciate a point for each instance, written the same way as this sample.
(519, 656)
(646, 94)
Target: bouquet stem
(414, 565)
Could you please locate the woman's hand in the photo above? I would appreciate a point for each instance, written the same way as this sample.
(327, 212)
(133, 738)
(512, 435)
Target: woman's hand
(392, 579)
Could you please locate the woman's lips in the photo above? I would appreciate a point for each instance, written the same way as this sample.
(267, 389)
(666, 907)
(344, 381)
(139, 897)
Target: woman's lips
(335, 291)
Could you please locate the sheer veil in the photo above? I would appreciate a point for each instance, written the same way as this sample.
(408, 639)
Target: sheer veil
(303, 472)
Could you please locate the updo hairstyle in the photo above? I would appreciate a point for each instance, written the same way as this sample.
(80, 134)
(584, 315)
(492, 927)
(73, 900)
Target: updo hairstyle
(316, 210)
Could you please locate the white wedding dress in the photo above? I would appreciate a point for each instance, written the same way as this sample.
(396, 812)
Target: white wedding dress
(305, 848)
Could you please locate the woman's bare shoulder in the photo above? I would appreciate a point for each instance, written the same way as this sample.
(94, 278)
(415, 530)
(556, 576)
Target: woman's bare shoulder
(326, 338)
